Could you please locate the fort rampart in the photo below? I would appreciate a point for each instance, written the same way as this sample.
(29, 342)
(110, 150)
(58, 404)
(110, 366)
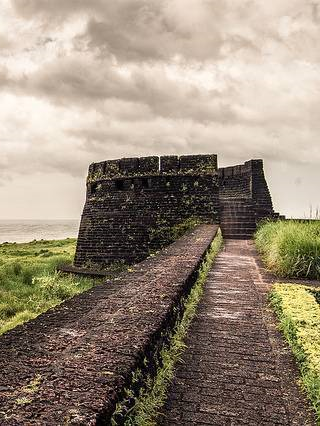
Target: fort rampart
(131, 204)
(71, 365)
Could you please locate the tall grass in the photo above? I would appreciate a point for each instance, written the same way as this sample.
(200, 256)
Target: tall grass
(290, 248)
(29, 283)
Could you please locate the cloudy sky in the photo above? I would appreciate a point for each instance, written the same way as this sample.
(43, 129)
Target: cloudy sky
(88, 80)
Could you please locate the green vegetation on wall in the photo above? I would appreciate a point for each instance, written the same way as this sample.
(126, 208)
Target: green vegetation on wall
(290, 248)
(164, 234)
(29, 283)
(298, 311)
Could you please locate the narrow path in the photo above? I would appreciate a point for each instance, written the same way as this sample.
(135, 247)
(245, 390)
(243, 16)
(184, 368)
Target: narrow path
(236, 369)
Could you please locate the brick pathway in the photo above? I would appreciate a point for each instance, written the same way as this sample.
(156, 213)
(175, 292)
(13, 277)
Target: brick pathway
(236, 369)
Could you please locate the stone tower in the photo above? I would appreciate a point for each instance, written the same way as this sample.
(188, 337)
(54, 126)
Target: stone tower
(131, 203)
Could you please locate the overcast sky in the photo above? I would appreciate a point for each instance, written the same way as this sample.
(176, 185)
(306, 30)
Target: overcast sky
(88, 80)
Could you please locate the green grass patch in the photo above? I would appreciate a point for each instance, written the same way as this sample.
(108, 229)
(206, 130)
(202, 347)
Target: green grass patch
(29, 283)
(290, 248)
(152, 396)
(299, 315)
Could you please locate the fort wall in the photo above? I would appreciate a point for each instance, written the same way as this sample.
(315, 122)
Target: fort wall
(247, 181)
(131, 202)
(82, 353)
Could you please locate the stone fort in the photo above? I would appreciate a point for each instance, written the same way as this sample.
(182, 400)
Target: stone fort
(133, 203)
(86, 361)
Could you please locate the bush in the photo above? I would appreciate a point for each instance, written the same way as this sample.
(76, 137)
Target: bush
(290, 248)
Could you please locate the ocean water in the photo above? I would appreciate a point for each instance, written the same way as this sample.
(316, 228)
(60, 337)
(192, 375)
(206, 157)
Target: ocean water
(23, 231)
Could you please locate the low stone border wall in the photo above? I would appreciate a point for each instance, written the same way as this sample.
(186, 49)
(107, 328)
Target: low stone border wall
(71, 364)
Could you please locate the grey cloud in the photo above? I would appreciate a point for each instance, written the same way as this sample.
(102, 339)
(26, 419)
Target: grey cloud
(159, 30)
(4, 42)
(4, 77)
(137, 30)
(150, 39)
(43, 160)
(315, 11)
(91, 83)
(54, 8)
(106, 92)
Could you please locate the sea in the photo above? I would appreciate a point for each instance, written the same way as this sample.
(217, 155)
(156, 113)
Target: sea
(23, 231)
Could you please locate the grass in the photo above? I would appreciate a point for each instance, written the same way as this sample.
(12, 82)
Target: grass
(152, 395)
(29, 283)
(298, 310)
(290, 248)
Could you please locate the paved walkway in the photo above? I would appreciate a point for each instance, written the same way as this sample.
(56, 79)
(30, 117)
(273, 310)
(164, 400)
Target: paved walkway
(236, 369)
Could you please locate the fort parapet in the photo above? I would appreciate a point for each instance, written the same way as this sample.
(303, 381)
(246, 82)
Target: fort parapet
(132, 203)
(73, 364)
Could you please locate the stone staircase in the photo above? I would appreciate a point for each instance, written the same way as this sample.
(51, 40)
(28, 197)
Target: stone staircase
(238, 219)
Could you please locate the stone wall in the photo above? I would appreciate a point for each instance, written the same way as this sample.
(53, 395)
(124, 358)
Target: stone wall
(72, 364)
(131, 202)
(247, 181)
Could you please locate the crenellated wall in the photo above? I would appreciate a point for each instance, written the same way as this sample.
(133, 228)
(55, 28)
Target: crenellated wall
(131, 202)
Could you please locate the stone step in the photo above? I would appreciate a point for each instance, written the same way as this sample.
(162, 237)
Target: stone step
(238, 213)
(233, 227)
(239, 219)
(237, 230)
(236, 203)
(236, 209)
(241, 215)
(237, 233)
(237, 227)
(247, 236)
